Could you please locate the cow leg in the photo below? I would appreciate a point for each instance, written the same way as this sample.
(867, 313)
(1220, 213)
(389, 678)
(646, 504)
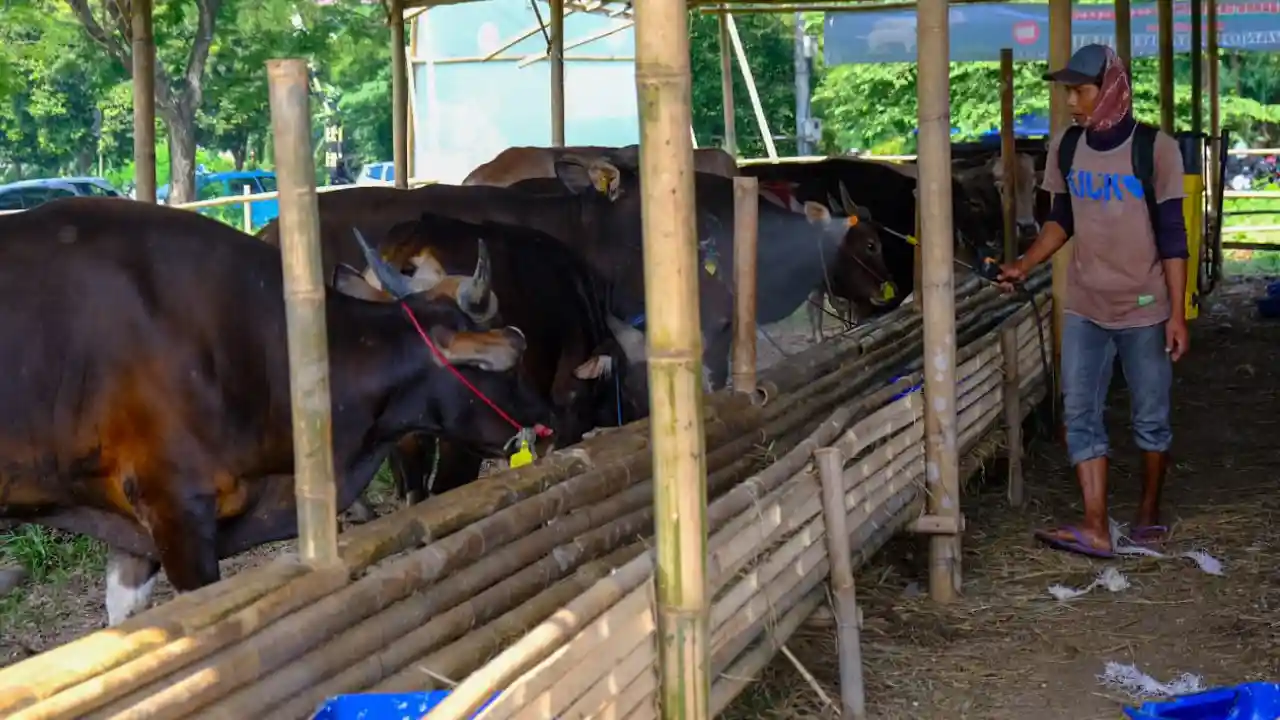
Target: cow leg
(130, 580)
(412, 464)
(814, 309)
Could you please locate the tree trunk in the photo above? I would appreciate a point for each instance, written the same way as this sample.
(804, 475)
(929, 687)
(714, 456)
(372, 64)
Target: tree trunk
(238, 153)
(180, 126)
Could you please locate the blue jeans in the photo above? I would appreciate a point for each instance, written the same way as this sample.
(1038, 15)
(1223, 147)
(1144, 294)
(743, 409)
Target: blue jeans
(1088, 353)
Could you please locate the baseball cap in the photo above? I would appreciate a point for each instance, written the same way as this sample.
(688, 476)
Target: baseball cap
(1085, 66)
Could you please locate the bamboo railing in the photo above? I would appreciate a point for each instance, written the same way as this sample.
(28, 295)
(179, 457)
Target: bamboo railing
(539, 581)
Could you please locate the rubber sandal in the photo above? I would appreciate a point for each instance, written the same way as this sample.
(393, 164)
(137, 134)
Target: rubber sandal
(1080, 546)
(1152, 537)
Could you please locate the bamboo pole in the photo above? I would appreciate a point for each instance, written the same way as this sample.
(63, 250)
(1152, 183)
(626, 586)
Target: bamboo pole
(144, 102)
(937, 294)
(1124, 33)
(1009, 336)
(1197, 67)
(1164, 16)
(1059, 120)
(304, 294)
(753, 94)
(726, 89)
(399, 95)
(746, 230)
(675, 377)
(852, 692)
(556, 8)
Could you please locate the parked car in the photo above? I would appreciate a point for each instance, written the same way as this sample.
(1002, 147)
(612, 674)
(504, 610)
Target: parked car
(379, 173)
(224, 184)
(26, 194)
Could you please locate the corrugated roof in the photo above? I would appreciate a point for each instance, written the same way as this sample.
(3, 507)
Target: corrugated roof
(623, 8)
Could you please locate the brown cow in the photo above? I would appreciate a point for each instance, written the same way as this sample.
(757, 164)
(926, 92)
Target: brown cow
(526, 163)
(148, 403)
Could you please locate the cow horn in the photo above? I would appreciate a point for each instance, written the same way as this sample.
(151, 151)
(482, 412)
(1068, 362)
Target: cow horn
(833, 203)
(631, 339)
(850, 207)
(392, 282)
(475, 291)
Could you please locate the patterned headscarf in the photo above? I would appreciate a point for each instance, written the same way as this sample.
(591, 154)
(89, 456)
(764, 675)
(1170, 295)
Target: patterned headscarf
(1116, 99)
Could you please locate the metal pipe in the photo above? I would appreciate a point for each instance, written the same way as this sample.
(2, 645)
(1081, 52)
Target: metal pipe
(1164, 12)
(304, 302)
(937, 293)
(1009, 336)
(144, 103)
(802, 87)
(557, 72)
(399, 96)
(1197, 66)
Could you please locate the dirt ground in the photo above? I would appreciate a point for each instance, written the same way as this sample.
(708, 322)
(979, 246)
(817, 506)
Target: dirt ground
(1009, 650)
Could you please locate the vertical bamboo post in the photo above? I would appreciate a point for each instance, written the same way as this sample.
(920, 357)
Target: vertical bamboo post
(557, 72)
(144, 103)
(938, 292)
(1124, 33)
(411, 133)
(399, 95)
(746, 232)
(247, 207)
(1215, 115)
(1197, 67)
(675, 352)
(1164, 13)
(917, 257)
(844, 595)
(304, 301)
(726, 89)
(1059, 120)
(1009, 336)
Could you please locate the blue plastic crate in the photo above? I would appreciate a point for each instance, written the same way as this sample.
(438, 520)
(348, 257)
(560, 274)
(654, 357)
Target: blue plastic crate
(384, 706)
(1250, 701)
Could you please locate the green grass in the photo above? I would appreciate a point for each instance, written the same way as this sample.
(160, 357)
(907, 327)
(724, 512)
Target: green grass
(50, 555)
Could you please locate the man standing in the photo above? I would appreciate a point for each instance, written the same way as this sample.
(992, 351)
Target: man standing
(1117, 189)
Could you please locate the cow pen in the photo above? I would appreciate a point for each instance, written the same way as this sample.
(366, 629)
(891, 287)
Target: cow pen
(565, 586)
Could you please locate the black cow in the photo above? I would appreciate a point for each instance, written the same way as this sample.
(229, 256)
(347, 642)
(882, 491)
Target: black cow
(503, 274)
(146, 397)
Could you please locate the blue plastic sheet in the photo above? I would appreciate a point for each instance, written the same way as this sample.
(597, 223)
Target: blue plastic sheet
(384, 706)
(1250, 701)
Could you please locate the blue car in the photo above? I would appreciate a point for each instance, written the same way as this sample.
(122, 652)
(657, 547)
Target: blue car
(223, 184)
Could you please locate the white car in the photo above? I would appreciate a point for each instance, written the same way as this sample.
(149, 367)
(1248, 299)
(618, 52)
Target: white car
(378, 173)
(26, 194)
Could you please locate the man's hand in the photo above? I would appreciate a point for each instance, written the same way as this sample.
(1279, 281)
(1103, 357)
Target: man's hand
(1011, 274)
(1177, 341)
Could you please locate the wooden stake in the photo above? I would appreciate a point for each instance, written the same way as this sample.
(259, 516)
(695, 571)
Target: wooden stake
(399, 95)
(556, 8)
(675, 351)
(289, 95)
(1124, 33)
(144, 103)
(746, 231)
(1059, 120)
(844, 600)
(1164, 17)
(726, 89)
(937, 293)
(1009, 336)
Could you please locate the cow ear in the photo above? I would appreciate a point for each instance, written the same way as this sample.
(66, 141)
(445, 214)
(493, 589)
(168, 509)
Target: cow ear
(348, 281)
(599, 367)
(864, 213)
(817, 212)
(573, 174)
(493, 351)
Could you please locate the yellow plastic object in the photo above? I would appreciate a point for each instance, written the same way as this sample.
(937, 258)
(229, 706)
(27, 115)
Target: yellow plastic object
(1193, 214)
(523, 456)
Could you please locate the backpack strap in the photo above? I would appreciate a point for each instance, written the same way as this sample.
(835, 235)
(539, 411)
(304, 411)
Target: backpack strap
(1067, 154)
(1144, 167)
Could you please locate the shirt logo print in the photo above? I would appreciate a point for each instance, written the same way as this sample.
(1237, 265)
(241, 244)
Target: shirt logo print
(1104, 187)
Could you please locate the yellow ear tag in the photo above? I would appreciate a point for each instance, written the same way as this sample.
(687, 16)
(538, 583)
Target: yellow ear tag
(911, 239)
(602, 183)
(886, 292)
(523, 456)
(710, 266)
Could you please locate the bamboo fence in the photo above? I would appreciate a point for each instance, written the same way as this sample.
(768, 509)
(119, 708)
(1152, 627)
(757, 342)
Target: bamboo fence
(539, 581)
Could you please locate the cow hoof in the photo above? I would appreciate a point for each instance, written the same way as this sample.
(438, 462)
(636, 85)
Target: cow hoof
(359, 513)
(11, 577)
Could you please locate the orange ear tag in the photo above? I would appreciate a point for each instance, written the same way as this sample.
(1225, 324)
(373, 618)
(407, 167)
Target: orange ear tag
(853, 220)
